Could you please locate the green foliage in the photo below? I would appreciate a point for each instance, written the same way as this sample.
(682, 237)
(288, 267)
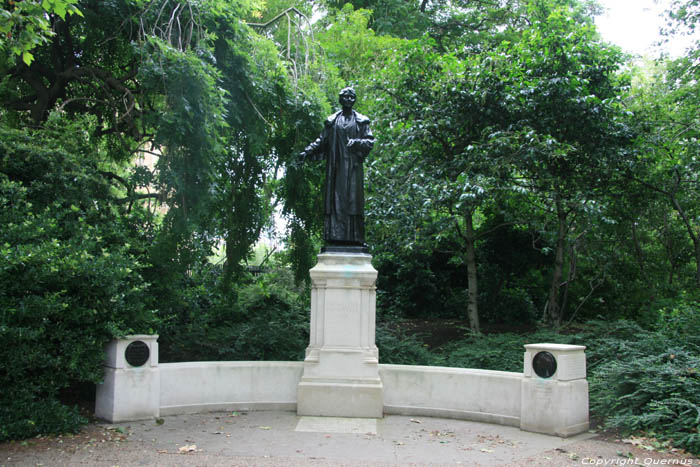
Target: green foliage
(640, 380)
(398, 348)
(354, 49)
(26, 24)
(27, 416)
(261, 319)
(389, 17)
(521, 134)
(213, 103)
(504, 146)
(69, 280)
(501, 352)
(191, 85)
(658, 393)
(665, 99)
(678, 319)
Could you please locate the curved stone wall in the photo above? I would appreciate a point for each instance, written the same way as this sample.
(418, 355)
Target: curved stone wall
(556, 404)
(479, 395)
(193, 387)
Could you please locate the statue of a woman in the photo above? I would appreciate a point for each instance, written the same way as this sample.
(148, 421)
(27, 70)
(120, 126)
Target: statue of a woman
(344, 143)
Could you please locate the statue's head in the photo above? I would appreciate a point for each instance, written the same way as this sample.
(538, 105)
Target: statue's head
(347, 97)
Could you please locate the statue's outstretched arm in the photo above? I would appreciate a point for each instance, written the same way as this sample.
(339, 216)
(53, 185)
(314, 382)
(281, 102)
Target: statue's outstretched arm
(316, 149)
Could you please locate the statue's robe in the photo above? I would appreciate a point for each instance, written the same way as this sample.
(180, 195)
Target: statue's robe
(344, 192)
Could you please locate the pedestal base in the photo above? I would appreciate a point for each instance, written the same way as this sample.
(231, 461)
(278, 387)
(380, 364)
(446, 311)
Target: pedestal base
(341, 369)
(337, 398)
(555, 403)
(129, 392)
(557, 408)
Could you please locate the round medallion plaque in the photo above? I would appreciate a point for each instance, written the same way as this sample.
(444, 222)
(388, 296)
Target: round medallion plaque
(137, 353)
(544, 364)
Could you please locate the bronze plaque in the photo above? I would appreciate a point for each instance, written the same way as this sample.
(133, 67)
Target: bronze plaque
(544, 364)
(137, 353)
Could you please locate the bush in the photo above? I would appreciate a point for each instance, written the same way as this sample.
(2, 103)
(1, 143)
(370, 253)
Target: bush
(502, 352)
(680, 321)
(68, 282)
(659, 394)
(640, 380)
(261, 319)
(648, 380)
(395, 347)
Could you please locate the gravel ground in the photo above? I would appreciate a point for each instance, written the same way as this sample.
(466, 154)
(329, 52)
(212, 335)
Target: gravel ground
(271, 439)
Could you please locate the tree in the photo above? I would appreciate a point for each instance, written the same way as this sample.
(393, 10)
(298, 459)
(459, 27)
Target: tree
(436, 170)
(665, 104)
(24, 25)
(570, 126)
(190, 84)
(539, 116)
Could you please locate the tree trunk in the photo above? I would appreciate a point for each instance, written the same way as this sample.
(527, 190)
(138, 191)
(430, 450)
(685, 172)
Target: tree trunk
(472, 303)
(570, 276)
(637, 247)
(693, 236)
(668, 248)
(696, 243)
(554, 311)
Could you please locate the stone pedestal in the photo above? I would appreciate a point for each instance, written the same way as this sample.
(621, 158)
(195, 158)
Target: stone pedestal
(556, 404)
(341, 371)
(131, 388)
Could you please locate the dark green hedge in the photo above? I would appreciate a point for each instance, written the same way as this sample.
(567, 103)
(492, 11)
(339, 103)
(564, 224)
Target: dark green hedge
(68, 281)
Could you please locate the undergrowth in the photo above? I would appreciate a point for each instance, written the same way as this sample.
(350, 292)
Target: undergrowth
(641, 380)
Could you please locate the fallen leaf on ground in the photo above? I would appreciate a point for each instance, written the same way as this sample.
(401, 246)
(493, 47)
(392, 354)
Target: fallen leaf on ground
(645, 443)
(188, 448)
(485, 450)
(415, 420)
(265, 427)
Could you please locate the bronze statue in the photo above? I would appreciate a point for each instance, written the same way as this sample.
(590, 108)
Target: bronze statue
(344, 144)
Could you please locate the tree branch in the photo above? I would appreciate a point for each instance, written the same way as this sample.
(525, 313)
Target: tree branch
(139, 196)
(590, 292)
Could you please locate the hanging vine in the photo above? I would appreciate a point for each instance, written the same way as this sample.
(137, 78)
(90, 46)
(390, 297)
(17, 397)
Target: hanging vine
(298, 50)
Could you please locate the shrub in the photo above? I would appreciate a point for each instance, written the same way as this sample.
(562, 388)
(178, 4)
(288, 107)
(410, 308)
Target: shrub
(396, 347)
(659, 393)
(640, 380)
(502, 352)
(680, 321)
(68, 282)
(260, 319)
